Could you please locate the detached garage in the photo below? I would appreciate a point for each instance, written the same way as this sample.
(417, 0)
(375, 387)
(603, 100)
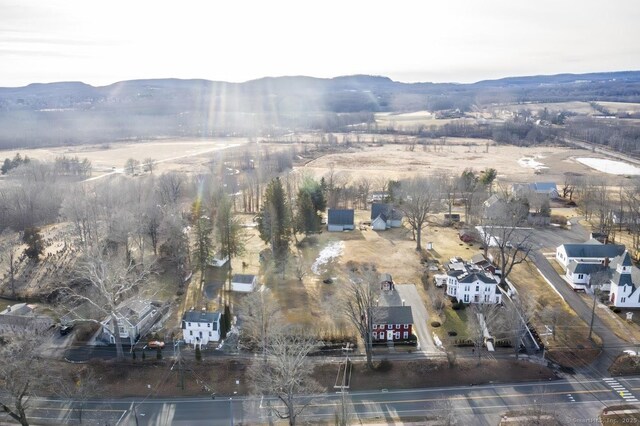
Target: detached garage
(340, 220)
(243, 283)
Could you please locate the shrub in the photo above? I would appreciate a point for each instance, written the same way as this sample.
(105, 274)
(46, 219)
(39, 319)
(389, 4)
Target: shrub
(616, 310)
(384, 366)
(435, 324)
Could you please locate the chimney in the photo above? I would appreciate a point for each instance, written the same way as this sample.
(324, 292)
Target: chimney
(204, 309)
(403, 304)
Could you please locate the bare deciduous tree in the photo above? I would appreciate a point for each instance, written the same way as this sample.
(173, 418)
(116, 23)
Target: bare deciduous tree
(22, 373)
(480, 318)
(517, 314)
(104, 281)
(9, 241)
(358, 300)
(262, 318)
(420, 198)
(286, 374)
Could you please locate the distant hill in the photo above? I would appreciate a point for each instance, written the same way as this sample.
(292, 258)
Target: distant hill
(75, 113)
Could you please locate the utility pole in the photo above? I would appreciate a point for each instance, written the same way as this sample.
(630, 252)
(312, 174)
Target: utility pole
(593, 311)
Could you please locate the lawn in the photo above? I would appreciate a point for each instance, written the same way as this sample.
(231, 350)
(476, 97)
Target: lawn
(454, 321)
(571, 348)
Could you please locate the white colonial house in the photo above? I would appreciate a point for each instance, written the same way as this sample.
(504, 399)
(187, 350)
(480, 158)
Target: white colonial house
(592, 251)
(200, 328)
(470, 284)
(624, 288)
(243, 283)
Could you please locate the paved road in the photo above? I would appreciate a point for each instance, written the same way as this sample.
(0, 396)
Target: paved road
(574, 401)
(545, 240)
(409, 294)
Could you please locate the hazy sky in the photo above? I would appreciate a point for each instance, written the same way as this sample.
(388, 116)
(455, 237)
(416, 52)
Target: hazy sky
(101, 42)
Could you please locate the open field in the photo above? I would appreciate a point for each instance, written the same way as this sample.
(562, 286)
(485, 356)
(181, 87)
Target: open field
(413, 120)
(173, 154)
(576, 106)
(621, 107)
(397, 161)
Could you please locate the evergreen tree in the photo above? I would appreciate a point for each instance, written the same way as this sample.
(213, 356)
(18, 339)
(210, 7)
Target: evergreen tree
(310, 203)
(227, 319)
(35, 244)
(198, 354)
(203, 244)
(274, 220)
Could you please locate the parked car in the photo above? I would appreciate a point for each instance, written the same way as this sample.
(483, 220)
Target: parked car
(155, 344)
(66, 329)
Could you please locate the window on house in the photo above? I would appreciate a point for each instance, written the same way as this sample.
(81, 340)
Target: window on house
(580, 276)
(189, 324)
(397, 335)
(477, 288)
(375, 334)
(466, 298)
(375, 326)
(406, 334)
(623, 299)
(208, 324)
(389, 326)
(209, 334)
(190, 332)
(406, 326)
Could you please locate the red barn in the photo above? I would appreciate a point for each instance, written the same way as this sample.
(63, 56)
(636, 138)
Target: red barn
(392, 323)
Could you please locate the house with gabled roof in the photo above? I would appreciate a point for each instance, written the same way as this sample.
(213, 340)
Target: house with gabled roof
(385, 216)
(391, 323)
(592, 251)
(548, 189)
(200, 328)
(135, 319)
(624, 287)
(340, 220)
(469, 283)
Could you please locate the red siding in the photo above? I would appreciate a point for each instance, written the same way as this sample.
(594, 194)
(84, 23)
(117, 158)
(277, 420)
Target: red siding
(395, 328)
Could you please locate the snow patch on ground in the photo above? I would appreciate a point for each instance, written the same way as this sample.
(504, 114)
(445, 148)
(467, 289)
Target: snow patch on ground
(331, 251)
(611, 167)
(532, 163)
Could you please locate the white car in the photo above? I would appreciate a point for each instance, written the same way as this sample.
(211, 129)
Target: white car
(630, 352)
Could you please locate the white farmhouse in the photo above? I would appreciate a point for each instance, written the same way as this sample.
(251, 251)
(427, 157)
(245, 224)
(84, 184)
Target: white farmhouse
(470, 284)
(244, 283)
(200, 328)
(593, 251)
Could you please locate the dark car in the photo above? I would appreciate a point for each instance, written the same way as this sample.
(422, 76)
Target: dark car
(65, 329)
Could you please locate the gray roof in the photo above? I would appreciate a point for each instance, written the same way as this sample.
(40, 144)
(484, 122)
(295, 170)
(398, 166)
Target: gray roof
(242, 278)
(201, 316)
(584, 268)
(392, 315)
(386, 210)
(340, 217)
(624, 259)
(477, 276)
(593, 249)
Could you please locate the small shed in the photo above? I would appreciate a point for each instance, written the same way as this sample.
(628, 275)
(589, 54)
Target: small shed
(340, 220)
(244, 283)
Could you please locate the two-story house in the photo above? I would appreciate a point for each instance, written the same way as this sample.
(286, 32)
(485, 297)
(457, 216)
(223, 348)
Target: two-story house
(200, 327)
(391, 323)
(135, 319)
(592, 251)
(468, 283)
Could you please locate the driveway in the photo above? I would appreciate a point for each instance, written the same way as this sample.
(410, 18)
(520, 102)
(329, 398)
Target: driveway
(409, 294)
(612, 345)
